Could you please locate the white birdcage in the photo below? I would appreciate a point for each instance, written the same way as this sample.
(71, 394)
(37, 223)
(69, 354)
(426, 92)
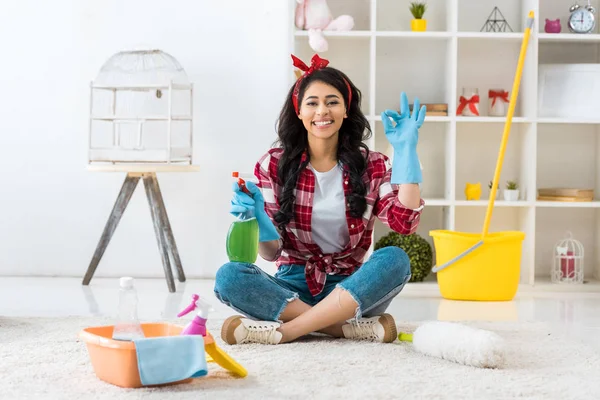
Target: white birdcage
(567, 264)
(141, 107)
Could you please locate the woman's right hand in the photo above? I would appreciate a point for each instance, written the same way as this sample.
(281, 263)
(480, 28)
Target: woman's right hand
(241, 203)
(255, 202)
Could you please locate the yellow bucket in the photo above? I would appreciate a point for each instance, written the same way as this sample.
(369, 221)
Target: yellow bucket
(489, 273)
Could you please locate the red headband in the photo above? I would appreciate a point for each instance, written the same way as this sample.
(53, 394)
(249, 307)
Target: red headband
(316, 63)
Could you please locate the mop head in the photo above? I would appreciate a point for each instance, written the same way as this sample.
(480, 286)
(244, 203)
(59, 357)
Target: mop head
(460, 343)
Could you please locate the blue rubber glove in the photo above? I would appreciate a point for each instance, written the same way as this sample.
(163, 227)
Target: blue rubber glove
(403, 137)
(246, 206)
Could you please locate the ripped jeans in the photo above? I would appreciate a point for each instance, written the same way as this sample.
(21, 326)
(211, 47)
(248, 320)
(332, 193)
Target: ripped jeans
(257, 295)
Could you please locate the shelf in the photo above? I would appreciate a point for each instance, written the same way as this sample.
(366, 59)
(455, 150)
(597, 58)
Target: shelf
(497, 203)
(342, 34)
(417, 35)
(567, 161)
(568, 204)
(477, 153)
(474, 120)
(427, 62)
(433, 143)
(175, 86)
(436, 202)
(568, 121)
(473, 15)
(394, 15)
(569, 37)
(505, 36)
(502, 120)
(495, 70)
(519, 203)
(553, 225)
(138, 118)
(435, 118)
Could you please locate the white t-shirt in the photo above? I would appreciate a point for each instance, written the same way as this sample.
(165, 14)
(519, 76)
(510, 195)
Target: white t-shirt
(329, 226)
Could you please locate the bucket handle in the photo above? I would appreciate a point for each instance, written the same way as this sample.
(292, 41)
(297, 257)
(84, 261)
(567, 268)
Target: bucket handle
(458, 257)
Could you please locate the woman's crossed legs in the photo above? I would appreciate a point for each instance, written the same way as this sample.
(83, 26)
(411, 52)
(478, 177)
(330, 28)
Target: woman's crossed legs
(280, 309)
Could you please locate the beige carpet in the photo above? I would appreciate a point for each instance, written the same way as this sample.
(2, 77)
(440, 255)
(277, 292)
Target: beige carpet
(42, 358)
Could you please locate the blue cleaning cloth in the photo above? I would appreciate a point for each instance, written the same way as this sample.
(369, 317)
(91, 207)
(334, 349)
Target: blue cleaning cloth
(168, 359)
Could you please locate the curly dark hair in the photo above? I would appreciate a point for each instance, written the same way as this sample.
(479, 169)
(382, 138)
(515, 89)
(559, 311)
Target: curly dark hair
(293, 139)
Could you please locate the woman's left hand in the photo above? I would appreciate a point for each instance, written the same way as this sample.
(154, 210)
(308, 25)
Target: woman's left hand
(403, 137)
(406, 131)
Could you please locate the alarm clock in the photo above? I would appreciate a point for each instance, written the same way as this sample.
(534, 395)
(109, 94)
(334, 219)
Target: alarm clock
(582, 19)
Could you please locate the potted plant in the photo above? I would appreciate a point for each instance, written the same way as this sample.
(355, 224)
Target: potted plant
(417, 9)
(511, 193)
(418, 250)
(497, 189)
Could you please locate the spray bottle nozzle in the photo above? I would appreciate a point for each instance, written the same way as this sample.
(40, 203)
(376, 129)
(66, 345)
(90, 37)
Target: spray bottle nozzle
(241, 183)
(200, 303)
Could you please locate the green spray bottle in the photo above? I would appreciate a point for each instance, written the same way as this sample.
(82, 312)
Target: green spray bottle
(242, 238)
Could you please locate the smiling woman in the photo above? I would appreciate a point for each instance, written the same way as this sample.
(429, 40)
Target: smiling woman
(318, 195)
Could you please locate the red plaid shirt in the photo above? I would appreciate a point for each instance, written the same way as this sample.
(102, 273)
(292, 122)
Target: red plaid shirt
(297, 245)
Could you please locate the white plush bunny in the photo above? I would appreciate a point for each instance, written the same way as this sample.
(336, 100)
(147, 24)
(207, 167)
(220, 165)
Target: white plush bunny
(315, 17)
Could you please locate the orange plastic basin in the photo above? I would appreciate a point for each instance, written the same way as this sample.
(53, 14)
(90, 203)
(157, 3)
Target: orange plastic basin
(115, 361)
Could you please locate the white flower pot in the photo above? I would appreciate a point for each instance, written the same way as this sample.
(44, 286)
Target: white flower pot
(511, 195)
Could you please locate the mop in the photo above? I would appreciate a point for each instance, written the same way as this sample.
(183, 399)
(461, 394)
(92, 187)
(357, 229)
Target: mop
(505, 134)
(452, 341)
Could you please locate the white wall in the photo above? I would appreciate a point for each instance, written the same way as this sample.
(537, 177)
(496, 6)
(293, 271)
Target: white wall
(53, 210)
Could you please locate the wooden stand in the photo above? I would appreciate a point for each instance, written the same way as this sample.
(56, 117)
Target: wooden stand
(162, 227)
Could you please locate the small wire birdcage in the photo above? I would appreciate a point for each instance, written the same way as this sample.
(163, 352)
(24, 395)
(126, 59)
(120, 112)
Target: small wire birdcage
(567, 266)
(141, 108)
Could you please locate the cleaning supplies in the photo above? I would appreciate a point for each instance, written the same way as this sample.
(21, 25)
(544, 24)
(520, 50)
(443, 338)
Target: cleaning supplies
(198, 325)
(128, 326)
(197, 328)
(458, 343)
(243, 235)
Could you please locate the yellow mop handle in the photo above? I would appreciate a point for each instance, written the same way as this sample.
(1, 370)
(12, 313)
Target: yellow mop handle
(511, 110)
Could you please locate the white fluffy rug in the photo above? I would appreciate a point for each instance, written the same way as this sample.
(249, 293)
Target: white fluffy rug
(42, 358)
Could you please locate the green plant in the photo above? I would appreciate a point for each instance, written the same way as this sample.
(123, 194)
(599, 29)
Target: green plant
(417, 9)
(512, 185)
(419, 252)
(490, 185)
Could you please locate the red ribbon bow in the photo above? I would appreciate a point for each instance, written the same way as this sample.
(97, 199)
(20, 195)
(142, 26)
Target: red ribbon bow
(493, 94)
(316, 63)
(471, 102)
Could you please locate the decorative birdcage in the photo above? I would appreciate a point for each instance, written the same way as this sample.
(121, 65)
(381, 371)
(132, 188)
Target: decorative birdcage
(568, 261)
(141, 108)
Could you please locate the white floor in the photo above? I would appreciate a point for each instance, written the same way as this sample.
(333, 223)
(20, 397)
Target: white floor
(575, 313)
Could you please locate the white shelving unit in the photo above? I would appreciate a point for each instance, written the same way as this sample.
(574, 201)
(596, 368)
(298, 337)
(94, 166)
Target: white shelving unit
(384, 57)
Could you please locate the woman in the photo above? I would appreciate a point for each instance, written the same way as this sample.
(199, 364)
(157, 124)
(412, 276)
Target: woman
(316, 201)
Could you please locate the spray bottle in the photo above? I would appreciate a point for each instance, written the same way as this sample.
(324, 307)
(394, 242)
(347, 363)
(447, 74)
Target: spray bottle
(198, 325)
(128, 326)
(242, 238)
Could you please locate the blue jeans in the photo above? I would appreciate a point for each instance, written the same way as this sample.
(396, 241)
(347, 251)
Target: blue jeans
(259, 296)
